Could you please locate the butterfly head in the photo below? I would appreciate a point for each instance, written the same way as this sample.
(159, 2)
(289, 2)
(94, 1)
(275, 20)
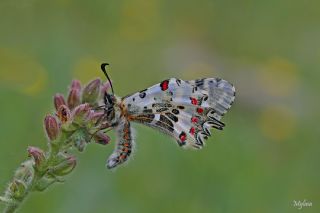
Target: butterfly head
(109, 99)
(109, 102)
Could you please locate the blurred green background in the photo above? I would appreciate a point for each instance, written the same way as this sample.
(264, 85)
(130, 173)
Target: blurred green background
(266, 157)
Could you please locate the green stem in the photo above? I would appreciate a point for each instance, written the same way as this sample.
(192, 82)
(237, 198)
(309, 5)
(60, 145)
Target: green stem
(12, 205)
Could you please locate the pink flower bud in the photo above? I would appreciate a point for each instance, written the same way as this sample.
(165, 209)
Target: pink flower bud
(65, 166)
(58, 101)
(91, 91)
(73, 98)
(101, 138)
(52, 127)
(76, 85)
(95, 116)
(105, 87)
(38, 157)
(63, 114)
(80, 113)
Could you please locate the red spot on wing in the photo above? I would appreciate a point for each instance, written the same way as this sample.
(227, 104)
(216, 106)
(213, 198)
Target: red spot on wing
(194, 101)
(192, 130)
(200, 110)
(183, 136)
(164, 85)
(194, 120)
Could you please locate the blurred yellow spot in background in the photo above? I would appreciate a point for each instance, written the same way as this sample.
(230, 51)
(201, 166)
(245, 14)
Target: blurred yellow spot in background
(278, 77)
(138, 20)
(277, 123)
(87, 69)
(22, 73)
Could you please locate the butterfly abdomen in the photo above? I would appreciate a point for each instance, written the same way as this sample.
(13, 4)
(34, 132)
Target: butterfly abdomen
(124, 146)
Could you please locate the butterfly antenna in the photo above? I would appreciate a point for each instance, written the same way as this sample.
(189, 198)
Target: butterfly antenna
(103, 68)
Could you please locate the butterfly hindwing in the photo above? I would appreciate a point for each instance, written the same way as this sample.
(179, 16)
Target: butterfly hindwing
(221, 94)
(185, 110)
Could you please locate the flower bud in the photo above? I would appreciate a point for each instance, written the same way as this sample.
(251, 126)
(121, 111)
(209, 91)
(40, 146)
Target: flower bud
(25, 172)
(63, 114)
(80, 144)
(76, 85)
(73, 98)
(52, 127)
(105, 87)
(17, 189)
(44, 183)
(91, 92)
(80, 138)
(38, 157)
(101, 138)
(58, 101)
(65, 167)
(94, 117)
(80, 113)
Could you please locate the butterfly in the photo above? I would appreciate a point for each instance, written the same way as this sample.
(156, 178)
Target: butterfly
(184, 110)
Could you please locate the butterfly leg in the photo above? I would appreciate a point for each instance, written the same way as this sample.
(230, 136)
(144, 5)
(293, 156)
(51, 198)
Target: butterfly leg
(124, 145)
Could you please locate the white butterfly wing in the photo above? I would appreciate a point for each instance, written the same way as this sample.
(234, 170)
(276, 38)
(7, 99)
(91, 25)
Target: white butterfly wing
(186, 110)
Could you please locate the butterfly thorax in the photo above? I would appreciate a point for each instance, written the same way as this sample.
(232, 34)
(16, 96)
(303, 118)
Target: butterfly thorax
(113, 109)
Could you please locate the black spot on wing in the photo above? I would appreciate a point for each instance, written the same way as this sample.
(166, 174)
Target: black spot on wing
(143, 90)
(194, 89)
(147, 111)
(142, 95)
(165, 123)
(145, 118)
(161, 105)
(199, 82)
(164, 119)
(175, 111)
(162, 109)
(216, 124)
(172, 116)
(205, 98)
